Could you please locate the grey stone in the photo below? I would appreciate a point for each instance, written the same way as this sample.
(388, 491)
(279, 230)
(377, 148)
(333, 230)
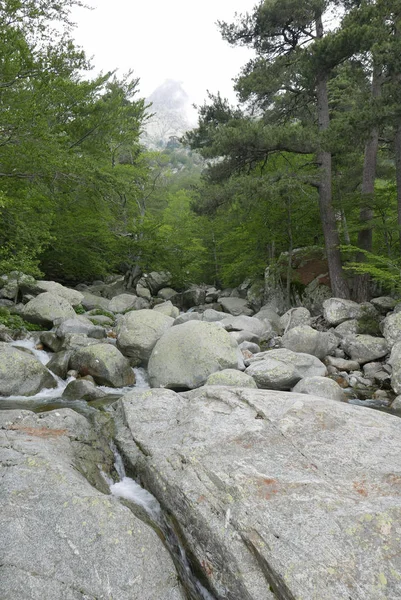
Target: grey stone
(58, 363)
(323, 387)
(249, 346)
(255, 294)
(210, 315)
(101, 320)
(63, 539)
(267, 313)
(185, 356)
(232, 378)
(359, 382)
(195, 296)
(79, 389)
(245, 336)
(156, 280)
(243, 322)
(303, 338)
(370, 369)
(123, 302)
(188, 316)
(167, 308)
(341, 364)
(143, 292)
(235, 306)
(396, 403)
(21, 374)
(281, 369)
(395, 362)
(347, 328)
(51, 341)
(166, 293)
(315, 294)
(365, 348)
(382, 378)
(72, 341)
(78, 324)
(384, 304)
(105, 363)
(294, 317)
(338, 310)
(91, 301)
(138, 332)
(392, 328)
(72, 296)
(278, 495)
(46, 308)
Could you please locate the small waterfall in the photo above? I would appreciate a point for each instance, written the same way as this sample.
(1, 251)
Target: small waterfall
(30, 345)
(131, 490)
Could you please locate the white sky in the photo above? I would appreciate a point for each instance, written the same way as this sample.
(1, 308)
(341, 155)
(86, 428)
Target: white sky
(164, 39)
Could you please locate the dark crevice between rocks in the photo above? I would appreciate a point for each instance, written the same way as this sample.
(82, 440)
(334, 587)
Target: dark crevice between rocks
(276, 583)
(190, 572)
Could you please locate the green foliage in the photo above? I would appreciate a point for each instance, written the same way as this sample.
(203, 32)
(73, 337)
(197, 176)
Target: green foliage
(181, 237)
(79, 309)
(16, 322)
(382, 269)
(100, 311)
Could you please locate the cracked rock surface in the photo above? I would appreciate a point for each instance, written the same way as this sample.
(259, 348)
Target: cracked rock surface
(278, 496)
(61, 537)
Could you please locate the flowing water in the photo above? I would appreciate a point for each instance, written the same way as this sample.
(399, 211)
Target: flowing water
(51, 398)
(129, 489)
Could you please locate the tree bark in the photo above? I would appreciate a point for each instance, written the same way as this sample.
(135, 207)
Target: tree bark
(339, 285)
(397, 146)
(365, 235)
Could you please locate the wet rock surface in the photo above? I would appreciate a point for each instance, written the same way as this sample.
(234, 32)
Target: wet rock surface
(61, 537)
(21, 373)
(278, 495)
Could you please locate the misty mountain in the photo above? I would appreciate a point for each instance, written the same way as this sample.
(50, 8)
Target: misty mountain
(170, 106)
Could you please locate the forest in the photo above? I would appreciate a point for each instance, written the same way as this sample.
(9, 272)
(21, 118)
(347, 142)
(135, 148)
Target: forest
(310, 157)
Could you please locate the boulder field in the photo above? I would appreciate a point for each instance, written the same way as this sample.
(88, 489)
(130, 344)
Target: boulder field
(271, 486)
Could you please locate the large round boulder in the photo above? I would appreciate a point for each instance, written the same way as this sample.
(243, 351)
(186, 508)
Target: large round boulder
(303, 338)
(365, 348)
(281, 369)
(235, 306)
(338, 310)
(245, 323)
(46, 308)
(138, 332)
(73, 297)
(167, 308)
(187, 354)
(21, 374)
(124, 302)
(294, 317)
(92, 301)
(105, 363)
(79, 324)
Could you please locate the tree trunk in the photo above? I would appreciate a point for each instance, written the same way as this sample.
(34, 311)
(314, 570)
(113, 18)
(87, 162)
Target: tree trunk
(365, 235)
(339, 285)
(397, 146)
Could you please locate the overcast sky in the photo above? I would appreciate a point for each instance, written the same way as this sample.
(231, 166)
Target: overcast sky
(164, 39)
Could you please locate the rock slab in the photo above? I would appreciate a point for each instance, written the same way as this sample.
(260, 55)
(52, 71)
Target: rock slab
(278, 495)
(61, 538)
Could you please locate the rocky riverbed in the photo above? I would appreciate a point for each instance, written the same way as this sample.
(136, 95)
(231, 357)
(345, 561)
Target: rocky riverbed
(265, 482)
